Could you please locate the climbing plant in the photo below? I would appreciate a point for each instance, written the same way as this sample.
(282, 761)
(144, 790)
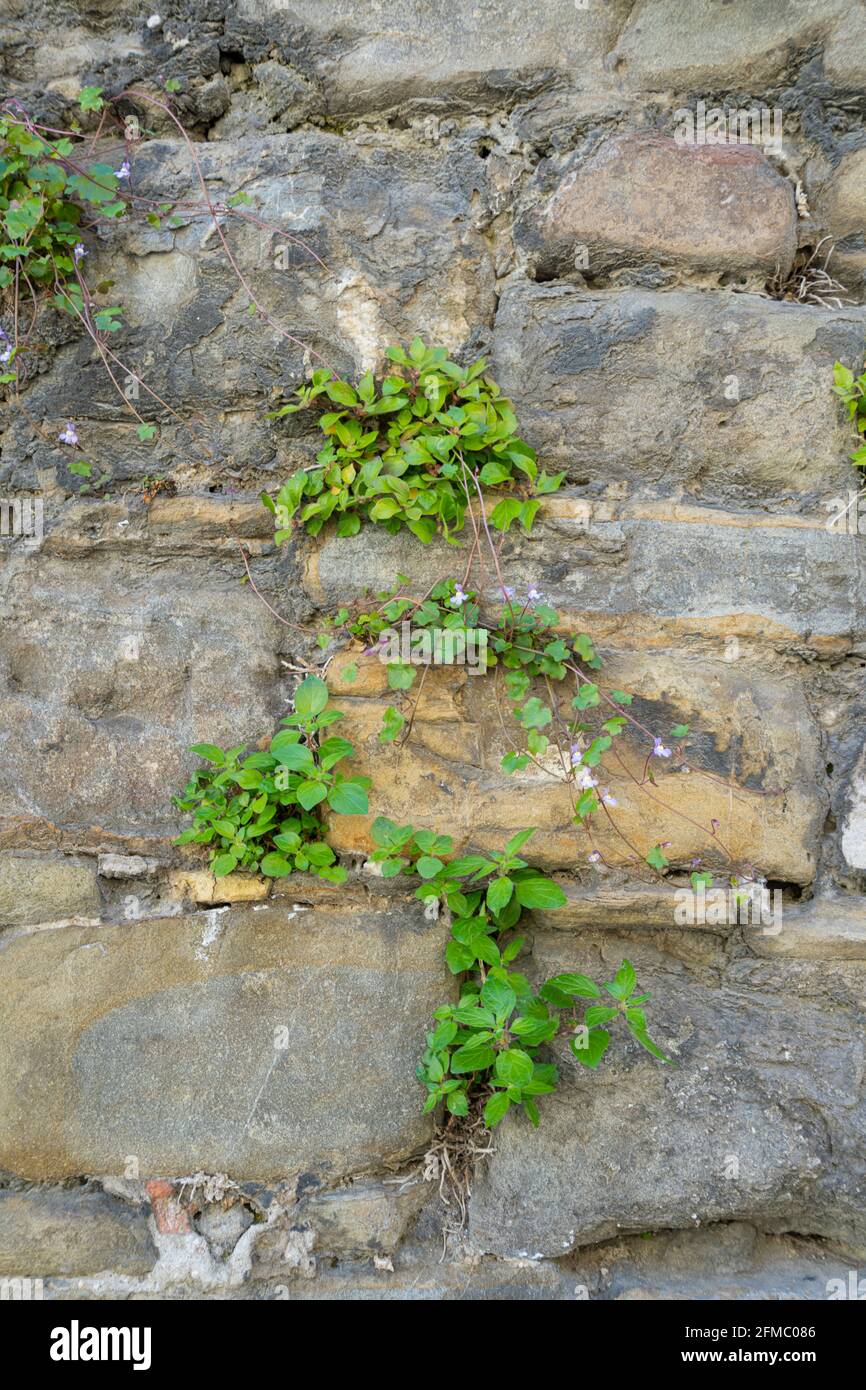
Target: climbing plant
(430, 447)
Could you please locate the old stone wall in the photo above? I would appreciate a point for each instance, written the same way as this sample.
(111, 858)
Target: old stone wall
(506, 179)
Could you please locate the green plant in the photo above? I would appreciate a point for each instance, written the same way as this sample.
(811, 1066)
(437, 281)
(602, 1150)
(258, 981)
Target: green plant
(259, 812)
(485, 1048)
(852, 390)
(414, 450)
(42, 197)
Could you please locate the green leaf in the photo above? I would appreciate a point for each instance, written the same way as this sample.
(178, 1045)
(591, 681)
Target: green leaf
(498, 996)
(646, 1042)
(311, 697)
(295, 756)
(624, 982)
(310, 793)
(348, 798)
(472, 1057)
(275, 866)
(540, 892)
(499, 892)
(459, 957)
(90, 99)
(400, 676)
(223, 864)
(428, 866)
(579, 986)
(590, 1047)
(209, 752)
(514, 1067)
(599, 1013)
(656, 858)
(496, 1109)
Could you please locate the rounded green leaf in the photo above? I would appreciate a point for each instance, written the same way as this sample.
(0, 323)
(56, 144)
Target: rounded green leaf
(347, 797)
(514, 1067)
(293, 755)
(275, 866)
(311, 697)
(428, 866)
(540, 892)
(496, 1109)
(310, 794)
(223, 864)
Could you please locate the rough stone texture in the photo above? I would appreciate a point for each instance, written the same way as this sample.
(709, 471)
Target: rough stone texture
(639, 198)
(163, 1045)
(632, 386)
(449, 775)
(71, 1232)
(40, 888)
(403, 164)
(768, 1074)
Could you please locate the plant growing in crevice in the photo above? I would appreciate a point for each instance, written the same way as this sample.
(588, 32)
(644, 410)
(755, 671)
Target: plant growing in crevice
(485, 1048)
(262, 811)
(410, 450)
(851, 391)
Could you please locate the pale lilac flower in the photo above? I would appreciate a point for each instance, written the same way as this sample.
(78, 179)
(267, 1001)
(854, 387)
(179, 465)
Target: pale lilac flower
(459, 597)
(534, 595)
(594, 857)
(68, 436)
(508, 591)
(78, 251)
(607, 798)
(576, 754)
(7, 349)
(659, 750)
(123, 171)
(585, 780)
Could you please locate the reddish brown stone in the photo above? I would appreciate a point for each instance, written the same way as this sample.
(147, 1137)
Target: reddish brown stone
(645, 197)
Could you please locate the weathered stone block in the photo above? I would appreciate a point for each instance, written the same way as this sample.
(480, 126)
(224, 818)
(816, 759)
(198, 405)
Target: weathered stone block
(55, 1231)
(626, 573)
(761, 1118)
(758, 780)
(97, 713)
(697, 389)
(43, 888)
(644, 197)
(257, 1041)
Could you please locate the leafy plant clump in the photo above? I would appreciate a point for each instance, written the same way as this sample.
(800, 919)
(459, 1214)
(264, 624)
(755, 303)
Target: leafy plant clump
(852, 390)
(43, 195)
(486, 1046)
(410, 450)
(260, 812)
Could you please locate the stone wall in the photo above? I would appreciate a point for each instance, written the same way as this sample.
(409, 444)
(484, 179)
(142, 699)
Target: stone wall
(503, 179)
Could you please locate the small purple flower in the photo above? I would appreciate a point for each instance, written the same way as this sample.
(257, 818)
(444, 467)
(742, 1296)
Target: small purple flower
(595, 857)
(459, 597)
(659, 750)
(585, 780)
(7, 349)
(68, 436)
(78, 251)
(607, 798)
(123, 171)
(534, 595)
(508, 591)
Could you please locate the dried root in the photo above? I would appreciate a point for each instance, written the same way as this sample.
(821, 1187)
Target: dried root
(809, 281)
